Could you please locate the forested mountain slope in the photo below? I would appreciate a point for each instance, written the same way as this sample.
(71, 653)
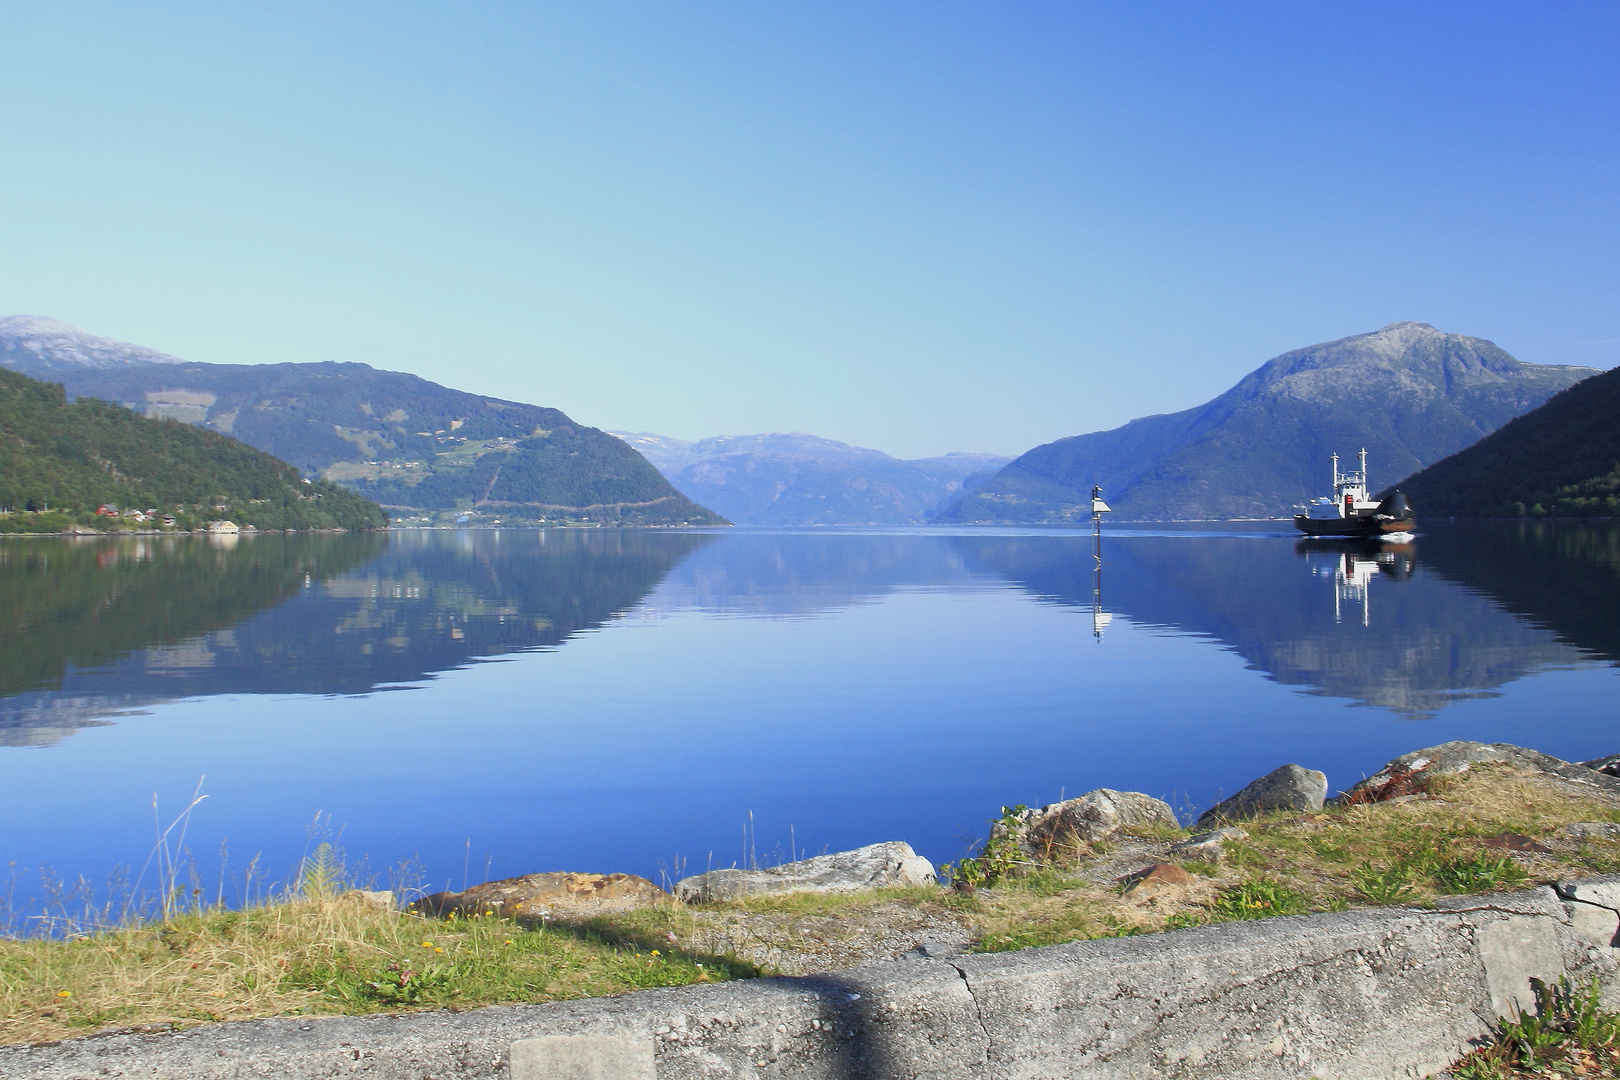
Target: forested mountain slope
(74, 457)
(1562, 459)
(406, 442)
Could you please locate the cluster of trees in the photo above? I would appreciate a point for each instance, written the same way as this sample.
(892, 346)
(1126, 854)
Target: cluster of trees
(72, 457)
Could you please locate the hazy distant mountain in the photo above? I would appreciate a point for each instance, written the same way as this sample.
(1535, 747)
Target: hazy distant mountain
(408, 443)
(1408, 393)
(38, 346)
(1562, 459)
(804, 480)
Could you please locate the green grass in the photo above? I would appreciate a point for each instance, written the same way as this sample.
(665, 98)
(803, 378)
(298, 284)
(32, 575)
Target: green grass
(328, 954)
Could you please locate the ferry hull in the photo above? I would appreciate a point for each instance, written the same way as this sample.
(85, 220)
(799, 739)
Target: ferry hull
(1366, 526)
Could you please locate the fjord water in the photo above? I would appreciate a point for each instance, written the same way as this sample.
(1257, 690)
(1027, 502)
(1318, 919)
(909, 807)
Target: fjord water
(507, 702)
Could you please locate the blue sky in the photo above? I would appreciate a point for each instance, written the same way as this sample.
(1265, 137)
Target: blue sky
(919, 227)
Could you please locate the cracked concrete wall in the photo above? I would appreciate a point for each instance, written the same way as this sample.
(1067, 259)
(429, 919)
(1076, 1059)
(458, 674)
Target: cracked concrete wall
(1386, 993)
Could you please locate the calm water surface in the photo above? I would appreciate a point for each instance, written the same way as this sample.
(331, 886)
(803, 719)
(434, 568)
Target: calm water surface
(506, 702)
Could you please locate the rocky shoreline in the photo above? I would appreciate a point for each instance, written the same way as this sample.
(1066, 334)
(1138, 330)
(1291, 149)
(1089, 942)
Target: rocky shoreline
(1128, 844)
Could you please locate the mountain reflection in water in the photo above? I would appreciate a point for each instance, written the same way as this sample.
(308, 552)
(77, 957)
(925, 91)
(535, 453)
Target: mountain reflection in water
(91, 629)
(94, 628)
(1411, 627)
(837, 688)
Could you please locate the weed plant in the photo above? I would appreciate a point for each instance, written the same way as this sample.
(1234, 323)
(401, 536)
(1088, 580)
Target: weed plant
(1569, 1034)
(1001, 857)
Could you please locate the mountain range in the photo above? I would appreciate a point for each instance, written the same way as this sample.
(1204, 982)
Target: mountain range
(1408, 393)
(412, 445)
(798, 479)
(1562, 459)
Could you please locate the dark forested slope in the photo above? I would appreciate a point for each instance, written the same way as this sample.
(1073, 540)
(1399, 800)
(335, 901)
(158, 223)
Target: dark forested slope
(1562, 459)
(75, 456)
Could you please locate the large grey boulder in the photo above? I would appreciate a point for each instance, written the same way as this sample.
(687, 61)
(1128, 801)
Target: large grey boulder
(1409, 773)
(1091, 817)
(1286, 788)
(875, 866)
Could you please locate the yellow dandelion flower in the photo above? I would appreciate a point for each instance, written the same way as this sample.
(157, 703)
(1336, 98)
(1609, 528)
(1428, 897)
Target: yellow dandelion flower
(437, 949)
(427, 944)
(64, 993)
(655, 952)
(509, 941)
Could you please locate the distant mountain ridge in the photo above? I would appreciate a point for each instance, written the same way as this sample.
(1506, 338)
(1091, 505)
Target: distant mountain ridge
(799, 479)
(1561, 460)
(410, 444)
(1408, 393)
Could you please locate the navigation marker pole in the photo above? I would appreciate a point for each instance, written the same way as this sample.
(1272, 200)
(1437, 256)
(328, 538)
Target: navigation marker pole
(1099, 617)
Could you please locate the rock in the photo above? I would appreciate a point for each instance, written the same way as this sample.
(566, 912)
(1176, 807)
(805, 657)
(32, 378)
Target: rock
(1593, 905)
(535, 895)
(1091, 817)
(380, 897)
(876, 866)
(932, 950)
(1206, 847)
(1598, 925)
(1409, 773)
(1161, 881)
(1287, 788)
(1593, 830)
(1603, 891)
(1512, 841)
(1609, 765)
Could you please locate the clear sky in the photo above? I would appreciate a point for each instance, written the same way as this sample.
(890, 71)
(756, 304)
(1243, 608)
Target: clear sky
(920, 227)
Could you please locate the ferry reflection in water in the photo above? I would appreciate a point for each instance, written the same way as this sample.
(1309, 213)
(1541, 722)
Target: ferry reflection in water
(1353, 564)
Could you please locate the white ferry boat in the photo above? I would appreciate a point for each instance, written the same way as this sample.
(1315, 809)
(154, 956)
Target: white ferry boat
(1351, 513)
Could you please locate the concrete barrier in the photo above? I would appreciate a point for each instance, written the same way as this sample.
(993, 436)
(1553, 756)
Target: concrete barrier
(1368, 994)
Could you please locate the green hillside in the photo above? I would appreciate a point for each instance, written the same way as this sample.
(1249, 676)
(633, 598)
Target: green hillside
(408, 443)
(1408, 393)
(1561, 460)
(60, 460)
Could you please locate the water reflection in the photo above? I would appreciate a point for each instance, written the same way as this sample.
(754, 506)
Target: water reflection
(1353, 564)
(1336, 619)
(808, 573)
(1561, 575)
(92, 629)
